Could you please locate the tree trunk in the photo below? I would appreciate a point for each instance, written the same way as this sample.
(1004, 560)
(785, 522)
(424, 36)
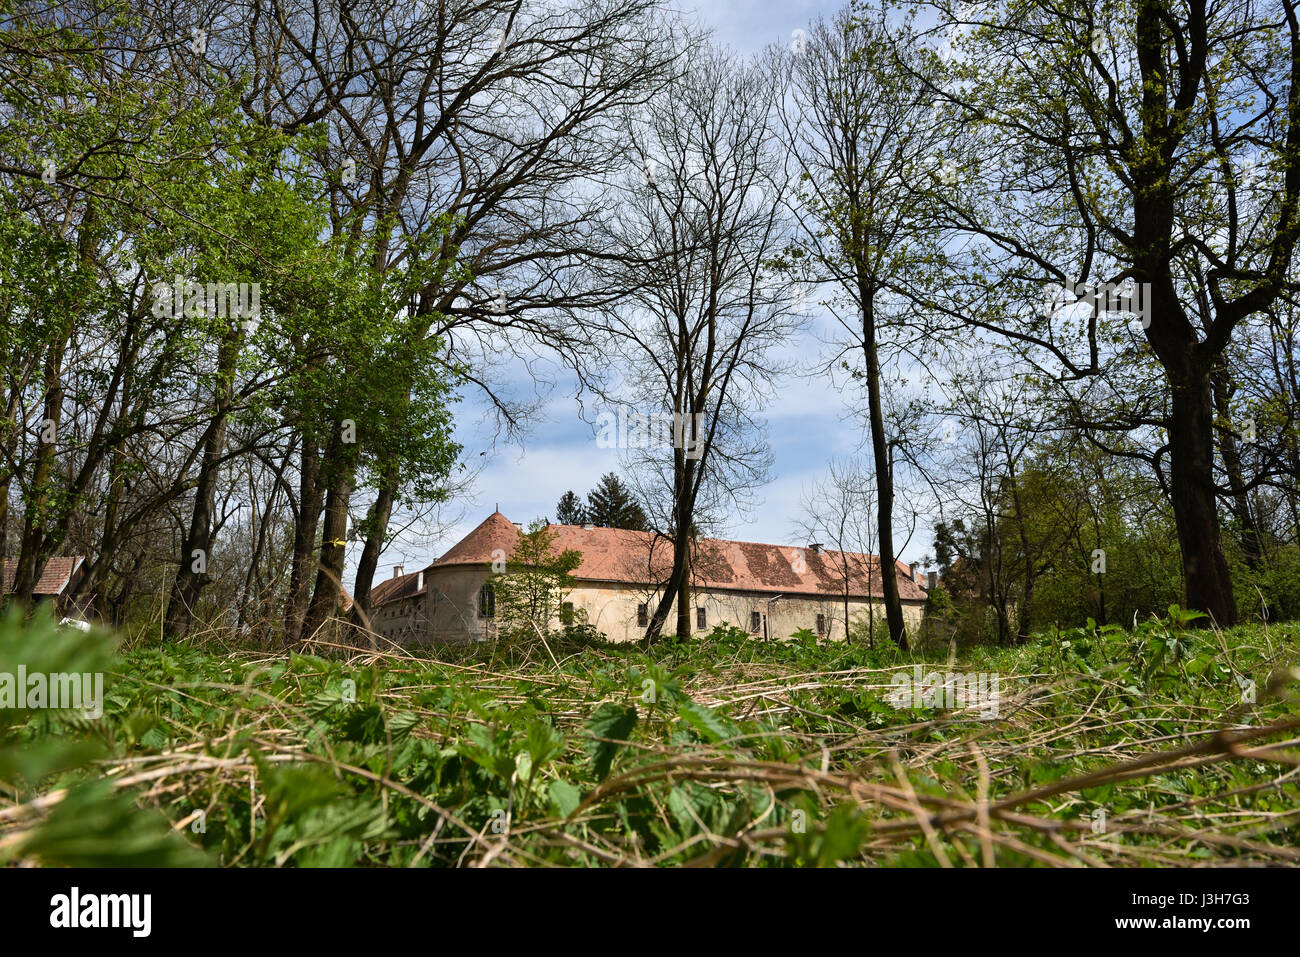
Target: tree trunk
(96, 579)
(672, 591)
(33, 546)
(304, 540)
(196, 548)
(376, 531)
(684, 517)
(1101, 579)
(1238, 501)
(1025, 616)
(1207, 580)
(1025, 620)
(333, 550)
(37, 544)
(1185, 359)
(684, 597)
(119, 602)
(846, 596)
(884, 476)
(192, 575)
(4, 528)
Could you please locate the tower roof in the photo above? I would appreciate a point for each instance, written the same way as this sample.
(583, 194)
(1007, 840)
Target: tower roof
(496, 532)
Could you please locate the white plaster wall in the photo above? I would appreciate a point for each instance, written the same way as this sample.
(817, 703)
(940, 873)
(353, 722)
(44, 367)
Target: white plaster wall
(450, 610)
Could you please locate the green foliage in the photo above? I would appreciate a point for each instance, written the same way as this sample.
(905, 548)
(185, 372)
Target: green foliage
(609, 726)
(942, 619)
(84, 819)
(157, 182)
(530, 593)
(569, 510)
(1269, 591)
(611, 505)
(726, 751)
(1073, 537)
(939, 604)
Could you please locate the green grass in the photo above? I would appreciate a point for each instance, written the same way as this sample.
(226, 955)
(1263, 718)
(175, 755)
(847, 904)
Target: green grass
(1110, 746)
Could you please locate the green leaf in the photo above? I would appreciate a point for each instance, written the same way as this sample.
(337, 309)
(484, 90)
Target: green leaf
(613, 722)
(565, 798)
(543, 742)
(711, 726)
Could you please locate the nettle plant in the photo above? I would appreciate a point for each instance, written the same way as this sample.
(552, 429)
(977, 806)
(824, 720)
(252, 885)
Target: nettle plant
(1154, 657)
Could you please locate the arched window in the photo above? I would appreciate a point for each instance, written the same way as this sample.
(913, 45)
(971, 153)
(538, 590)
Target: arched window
(487, 602)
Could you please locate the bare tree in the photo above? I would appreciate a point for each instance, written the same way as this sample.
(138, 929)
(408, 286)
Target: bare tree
(838, 512)
(491, 116)
(695, 239)
(857, 128)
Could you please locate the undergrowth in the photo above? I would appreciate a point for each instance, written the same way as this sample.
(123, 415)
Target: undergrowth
(1158, 745)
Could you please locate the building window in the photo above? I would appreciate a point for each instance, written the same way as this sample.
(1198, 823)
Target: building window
(642, 615)
(566, 613)
(755, 621)
(487, 602)
(821, 624)
(701, 619)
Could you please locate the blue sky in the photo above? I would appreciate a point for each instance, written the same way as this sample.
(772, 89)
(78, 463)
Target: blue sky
(808, 425)
(749, 25)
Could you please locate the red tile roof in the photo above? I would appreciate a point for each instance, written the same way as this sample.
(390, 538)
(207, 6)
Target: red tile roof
(496, 532)
(403, 586)
(54, 578)
(619, 555)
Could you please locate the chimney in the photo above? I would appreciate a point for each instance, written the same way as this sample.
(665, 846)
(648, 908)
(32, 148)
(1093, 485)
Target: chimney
(932, 581)
(397, 571)
(816, 548)
(912, 568)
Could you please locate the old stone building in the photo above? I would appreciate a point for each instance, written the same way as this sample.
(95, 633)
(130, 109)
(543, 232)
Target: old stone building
(771, 591)
(398, 608)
